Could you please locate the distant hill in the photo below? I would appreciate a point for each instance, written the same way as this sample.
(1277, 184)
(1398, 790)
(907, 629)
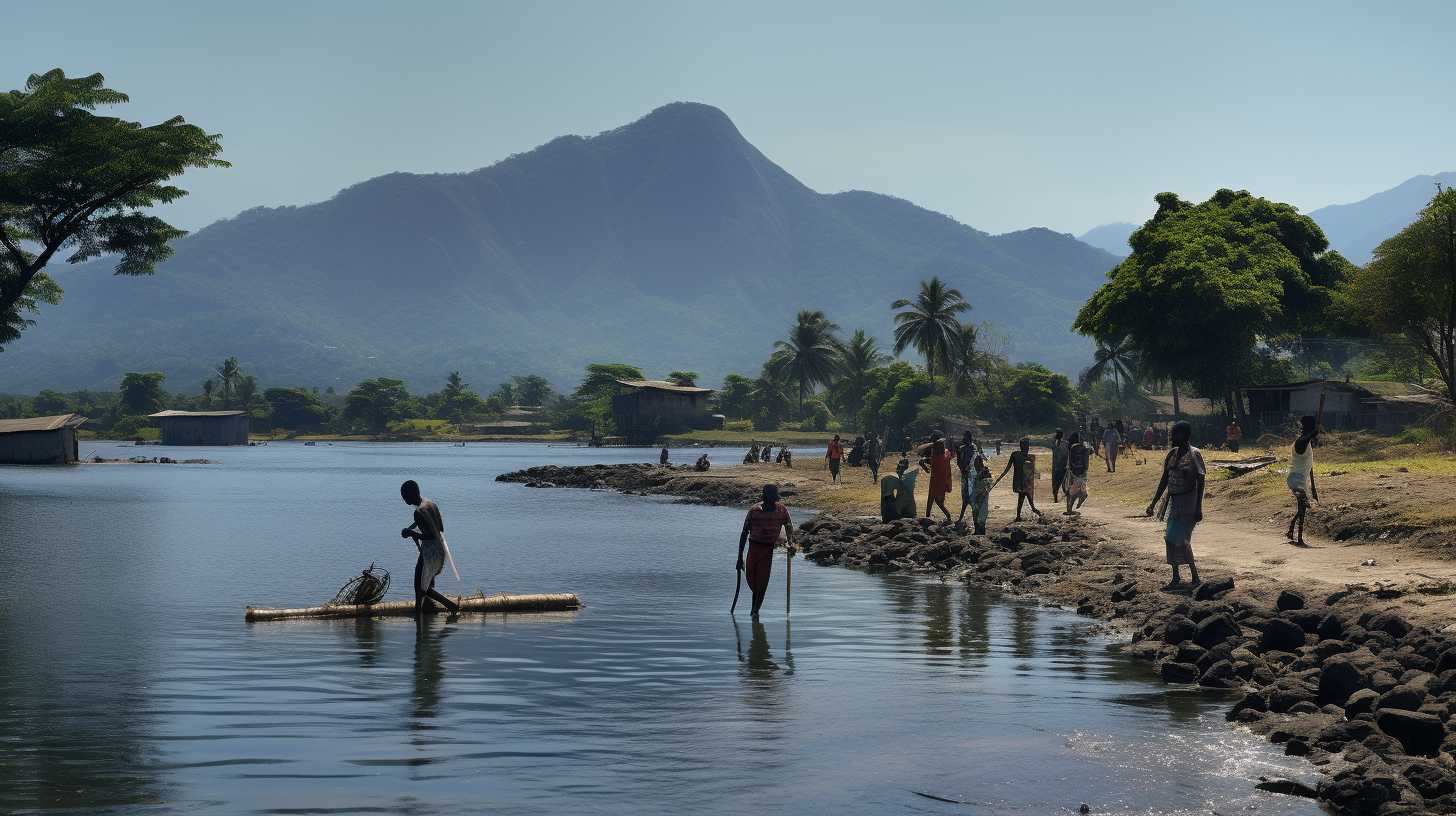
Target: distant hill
(1357, 229)
(1110, 237)
(671, 243)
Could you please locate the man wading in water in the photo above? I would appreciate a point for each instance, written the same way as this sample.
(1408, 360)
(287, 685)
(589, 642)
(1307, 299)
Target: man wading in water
(428, 532)
(761, 532)
(1183, 478)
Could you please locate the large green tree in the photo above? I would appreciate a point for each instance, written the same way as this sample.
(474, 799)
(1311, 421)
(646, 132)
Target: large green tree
(735, 398)
(810, 355)
(376, 403)
(530, 389)
(930, 325)
(296, 409)
(1409, 286)
(457, 402)
(142, 393)
(859, 356)
(77, 183)
(1206, 282)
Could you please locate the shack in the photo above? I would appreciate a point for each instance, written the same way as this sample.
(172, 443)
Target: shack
(203, 427)
(47, 440)
(647, 409)
(1350, 405)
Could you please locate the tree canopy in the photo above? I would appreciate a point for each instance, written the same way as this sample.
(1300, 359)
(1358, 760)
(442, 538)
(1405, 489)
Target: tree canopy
(929, 324)
(142, 393)
(73, 181)
(376, 403)
(1206, 282)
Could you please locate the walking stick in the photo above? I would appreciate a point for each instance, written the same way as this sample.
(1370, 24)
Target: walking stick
(737, 587)
(788, 580)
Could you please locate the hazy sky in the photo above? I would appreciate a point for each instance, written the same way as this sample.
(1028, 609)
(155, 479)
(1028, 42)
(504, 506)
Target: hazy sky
(1003, 115)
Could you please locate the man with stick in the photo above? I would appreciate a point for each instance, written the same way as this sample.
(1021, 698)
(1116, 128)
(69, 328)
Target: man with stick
(428, 533)
(761, 532)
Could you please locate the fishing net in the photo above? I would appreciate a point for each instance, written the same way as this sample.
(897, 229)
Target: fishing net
(368, 587)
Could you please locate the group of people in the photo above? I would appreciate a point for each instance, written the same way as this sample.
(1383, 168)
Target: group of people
(766, 454)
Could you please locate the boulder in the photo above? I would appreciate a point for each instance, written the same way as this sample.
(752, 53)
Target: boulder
(1389, 623)
(1281, 635)
(1361, 702)
(1289, 600)
(1331, 627)
(1208, 590)
(1179, 629)
(1446, 661)
(1326, 649)
(1219, 675)
(1125, 592)
(1190, 653)
(1180, 673)
(1402, 697)
(1419, 734)
(1339, 679)
(1430, 780)
(1215, 629)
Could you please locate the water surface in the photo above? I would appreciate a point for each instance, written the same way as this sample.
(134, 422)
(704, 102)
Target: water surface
(129, 682)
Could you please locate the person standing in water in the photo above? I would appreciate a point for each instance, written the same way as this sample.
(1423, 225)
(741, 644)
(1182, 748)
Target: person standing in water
(1183, 477)
(428, 533)
(939, 466)
(1022, 466)
(834, 456)
(1301, 476)
(662, 459)
(761, 532)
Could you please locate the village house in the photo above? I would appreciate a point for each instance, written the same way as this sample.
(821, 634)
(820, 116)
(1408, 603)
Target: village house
(1382, 407)
(647, 409)
(47, 440)
(203, 427)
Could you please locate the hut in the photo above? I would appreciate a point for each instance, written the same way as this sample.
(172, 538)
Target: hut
(1349, 405)
(646, 409)
(203, 427)
(47, 440)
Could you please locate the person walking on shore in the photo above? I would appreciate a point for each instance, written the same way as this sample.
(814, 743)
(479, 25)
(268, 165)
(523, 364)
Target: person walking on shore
(905, 495)
(1079, 456)
(1095, 434)
(966, 464)
(834, 456)
(428, 532)
(1111, 443)
(939, 466)
(1183, 477)
(874, 454)
(1301, 476)
(1022, 465)
(761, 533)
(1059, 463)
(1233, 436)
(982, 482)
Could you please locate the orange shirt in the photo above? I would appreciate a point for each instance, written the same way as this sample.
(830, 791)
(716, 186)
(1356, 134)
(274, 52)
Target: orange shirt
(836, 449)
(764, 525)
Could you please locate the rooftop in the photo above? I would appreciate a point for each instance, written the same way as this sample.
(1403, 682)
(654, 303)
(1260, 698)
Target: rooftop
(45, 423)
(665, 385)
(1379, 388)
(165, 414)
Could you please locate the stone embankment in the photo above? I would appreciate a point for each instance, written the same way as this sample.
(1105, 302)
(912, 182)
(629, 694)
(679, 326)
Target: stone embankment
(1334, 677)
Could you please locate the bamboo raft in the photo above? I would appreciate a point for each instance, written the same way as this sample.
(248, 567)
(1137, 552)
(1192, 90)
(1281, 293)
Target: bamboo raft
(502, 603)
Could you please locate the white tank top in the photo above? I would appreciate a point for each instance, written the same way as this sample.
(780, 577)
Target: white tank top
(1301, 466)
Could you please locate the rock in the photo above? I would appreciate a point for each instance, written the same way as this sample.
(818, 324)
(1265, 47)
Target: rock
(1208, 590)
(1219, 675)
(1281, 635)
(1296, 747)
(1389, 623)
(1214, 630)
(1326, 649)
(1402, 697)
(1190, 653)
(1254, 701)
(1354, 791)
(1288, 787)
(1446, 661)
(1304, 707)
(1419, 734)
(1306, 619)
(1361, 702)
(1126, 592)
(1430, 780)
(1331, 627)
(1338, 680)
(1179, 629)
(1179, 672)
(1335, 736)
(1289, 600)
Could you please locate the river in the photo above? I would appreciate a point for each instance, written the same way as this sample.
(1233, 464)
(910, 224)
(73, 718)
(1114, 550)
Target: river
(129, 682)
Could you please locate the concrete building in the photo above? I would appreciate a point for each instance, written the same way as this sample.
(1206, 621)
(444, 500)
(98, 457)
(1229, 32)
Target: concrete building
(47, 440)
(203, 427)
(647, 409)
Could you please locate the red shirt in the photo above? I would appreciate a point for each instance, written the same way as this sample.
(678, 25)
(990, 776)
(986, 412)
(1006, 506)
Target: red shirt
(764, 525)
(836, 450)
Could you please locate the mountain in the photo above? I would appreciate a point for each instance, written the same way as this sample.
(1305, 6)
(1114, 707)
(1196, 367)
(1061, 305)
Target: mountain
(671, 243)
(1110, 237)
(1357, 229)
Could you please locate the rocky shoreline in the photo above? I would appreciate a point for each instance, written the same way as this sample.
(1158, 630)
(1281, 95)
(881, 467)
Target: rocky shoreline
(1359, 691)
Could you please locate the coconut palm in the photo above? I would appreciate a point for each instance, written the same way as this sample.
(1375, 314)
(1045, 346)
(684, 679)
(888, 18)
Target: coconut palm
(857, 359)
(1116, 358)
(968, 360)
(228, 374)
(810, 355)
(770, 399)
(929, 323)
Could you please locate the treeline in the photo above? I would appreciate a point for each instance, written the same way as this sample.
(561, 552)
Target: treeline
(822, 379)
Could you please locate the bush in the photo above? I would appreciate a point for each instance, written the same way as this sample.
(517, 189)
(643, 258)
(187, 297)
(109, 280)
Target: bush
(765, 421)
(134, 427)
(819, 416)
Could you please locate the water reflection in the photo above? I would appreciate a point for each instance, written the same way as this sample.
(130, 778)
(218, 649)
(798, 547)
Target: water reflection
(429, 670)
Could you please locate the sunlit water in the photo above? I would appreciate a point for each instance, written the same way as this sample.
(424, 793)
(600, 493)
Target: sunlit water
(129, 682)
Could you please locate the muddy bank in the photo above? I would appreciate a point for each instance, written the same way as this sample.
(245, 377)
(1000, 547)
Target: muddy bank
(1362, 692)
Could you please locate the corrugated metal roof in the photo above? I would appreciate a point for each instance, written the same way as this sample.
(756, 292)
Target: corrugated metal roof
(165, 414)
(45, 423)
(664, 385)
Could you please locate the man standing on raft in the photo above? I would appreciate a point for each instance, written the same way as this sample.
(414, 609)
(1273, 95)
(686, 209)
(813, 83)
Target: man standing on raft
(428, 532)
(761, 532)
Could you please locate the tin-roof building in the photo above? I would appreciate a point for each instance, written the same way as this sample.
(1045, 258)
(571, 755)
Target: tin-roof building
(203, 427)
(647, 409)
(1383, 407)
(47, 440)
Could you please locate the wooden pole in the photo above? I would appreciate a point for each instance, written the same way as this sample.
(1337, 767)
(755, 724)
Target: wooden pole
(553, 602)
(737, 587)
(788, 581)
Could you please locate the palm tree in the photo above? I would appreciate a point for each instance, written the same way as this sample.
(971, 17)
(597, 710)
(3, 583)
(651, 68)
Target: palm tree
(929, 323)
(857, 359)
(810, 356)
(968, 360)
(769, 398)
(207, 389)
(228, 373)
(1114, 357)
